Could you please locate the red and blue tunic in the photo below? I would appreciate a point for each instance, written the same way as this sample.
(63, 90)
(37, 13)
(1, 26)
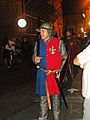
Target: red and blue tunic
(50, 60)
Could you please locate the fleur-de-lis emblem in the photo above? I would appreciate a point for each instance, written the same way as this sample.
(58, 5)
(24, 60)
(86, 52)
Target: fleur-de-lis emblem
(52, 50)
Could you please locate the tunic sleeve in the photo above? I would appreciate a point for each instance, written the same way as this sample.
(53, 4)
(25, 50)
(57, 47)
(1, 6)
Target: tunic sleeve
(84, 56)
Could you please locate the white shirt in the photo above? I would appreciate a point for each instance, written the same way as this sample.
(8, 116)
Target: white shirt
(84, 59)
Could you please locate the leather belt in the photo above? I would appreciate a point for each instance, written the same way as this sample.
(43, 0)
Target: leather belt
(47, 71)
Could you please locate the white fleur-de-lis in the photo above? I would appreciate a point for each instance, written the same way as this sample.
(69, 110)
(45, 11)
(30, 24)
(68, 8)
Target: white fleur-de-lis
(52, 50)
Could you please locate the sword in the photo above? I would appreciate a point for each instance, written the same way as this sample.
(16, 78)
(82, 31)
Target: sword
(61, 90)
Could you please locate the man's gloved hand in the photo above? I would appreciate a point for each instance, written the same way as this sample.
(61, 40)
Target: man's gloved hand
(57, 74)
(37, 59)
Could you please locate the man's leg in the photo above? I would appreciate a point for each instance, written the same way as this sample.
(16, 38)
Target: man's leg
(43, 108)
(56, 106)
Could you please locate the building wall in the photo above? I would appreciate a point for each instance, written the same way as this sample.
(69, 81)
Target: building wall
(74, 22)
(9, 11)
(12, 10)
(58, 23)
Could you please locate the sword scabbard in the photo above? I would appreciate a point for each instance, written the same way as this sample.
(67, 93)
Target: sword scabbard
(61, 91)
(48, 96)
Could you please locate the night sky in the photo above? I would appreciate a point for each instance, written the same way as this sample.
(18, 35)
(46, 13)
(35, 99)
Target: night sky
(72, 6)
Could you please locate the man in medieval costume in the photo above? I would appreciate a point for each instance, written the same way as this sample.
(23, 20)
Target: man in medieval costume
(51, 58)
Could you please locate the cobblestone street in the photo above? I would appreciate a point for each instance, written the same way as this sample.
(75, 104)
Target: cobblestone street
(18, 100)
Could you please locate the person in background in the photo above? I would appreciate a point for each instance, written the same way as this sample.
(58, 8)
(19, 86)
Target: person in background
(12, 43)
(52, 56)
(7, 54)
(71, 46)
(26, 49)
(83, 60)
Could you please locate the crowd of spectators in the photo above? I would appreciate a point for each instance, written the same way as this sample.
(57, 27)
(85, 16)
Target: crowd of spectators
(16, 51)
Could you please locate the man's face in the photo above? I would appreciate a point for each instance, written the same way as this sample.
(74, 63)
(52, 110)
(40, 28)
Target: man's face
(44, 34)
(68, 34)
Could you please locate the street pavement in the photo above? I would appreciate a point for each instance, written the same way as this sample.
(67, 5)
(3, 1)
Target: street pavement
(18, 100)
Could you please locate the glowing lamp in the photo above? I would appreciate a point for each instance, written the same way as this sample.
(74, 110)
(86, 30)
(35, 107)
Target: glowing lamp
(82, 29)
(22, 23)
(89, 23)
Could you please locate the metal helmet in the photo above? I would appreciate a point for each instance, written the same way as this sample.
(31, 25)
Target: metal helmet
(45, 25)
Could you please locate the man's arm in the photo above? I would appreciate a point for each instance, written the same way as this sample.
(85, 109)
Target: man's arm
(76, 61)
(63, 54)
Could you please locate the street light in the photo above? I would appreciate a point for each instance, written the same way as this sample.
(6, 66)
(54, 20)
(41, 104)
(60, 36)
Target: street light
(89, 23)
(22, 23)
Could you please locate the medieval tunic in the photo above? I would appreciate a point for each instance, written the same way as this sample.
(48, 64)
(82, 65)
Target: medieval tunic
(50, 60)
